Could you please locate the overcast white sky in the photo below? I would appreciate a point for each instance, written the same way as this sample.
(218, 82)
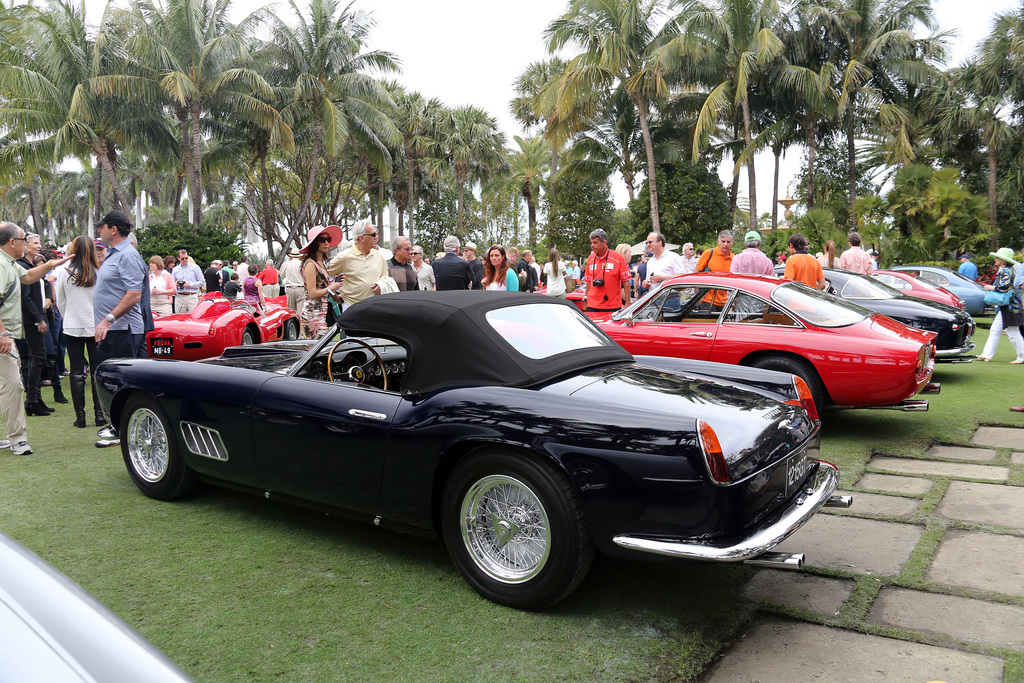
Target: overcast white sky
(471, 51)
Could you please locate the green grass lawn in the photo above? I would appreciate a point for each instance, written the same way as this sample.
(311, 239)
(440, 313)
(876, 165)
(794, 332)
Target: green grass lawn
(236, 588)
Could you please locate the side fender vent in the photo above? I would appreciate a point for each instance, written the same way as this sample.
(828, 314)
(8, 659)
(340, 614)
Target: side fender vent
(204, 441)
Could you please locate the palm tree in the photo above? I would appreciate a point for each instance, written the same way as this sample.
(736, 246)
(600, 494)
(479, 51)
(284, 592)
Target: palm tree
(531, 107)
(187, 53)
(726, 48)
(620, 40)
(49, 100)
(527, 167)
(877, 47)
(989, 90)
(473, 147)
(417, 121)
(324, 63)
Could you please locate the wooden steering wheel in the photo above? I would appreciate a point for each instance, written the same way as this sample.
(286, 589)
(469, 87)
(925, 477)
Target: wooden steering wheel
(357, 373)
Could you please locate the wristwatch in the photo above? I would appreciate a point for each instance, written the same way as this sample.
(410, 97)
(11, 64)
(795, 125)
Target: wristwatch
(110, 318)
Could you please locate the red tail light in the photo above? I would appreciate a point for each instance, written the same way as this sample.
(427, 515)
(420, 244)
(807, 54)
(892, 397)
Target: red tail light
(806, 400)
(712, 452)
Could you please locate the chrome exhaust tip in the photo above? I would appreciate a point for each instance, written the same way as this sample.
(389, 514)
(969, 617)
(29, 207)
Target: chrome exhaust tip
(777, 560)
(912, 406)
(839, 502)
(932, 388)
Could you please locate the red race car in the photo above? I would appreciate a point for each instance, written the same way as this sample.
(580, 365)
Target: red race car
(217, 323)
(847, 355)
(917, 287)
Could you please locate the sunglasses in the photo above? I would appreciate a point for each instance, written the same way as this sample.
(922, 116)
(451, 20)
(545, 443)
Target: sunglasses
(323, 238)
(370, 234)
(417, 253)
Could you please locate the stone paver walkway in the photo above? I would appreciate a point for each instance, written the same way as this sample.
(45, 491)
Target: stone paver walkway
(964, 598)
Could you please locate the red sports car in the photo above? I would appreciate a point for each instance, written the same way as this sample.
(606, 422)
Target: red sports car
(849, 356)
(917, 287)
(217, 323)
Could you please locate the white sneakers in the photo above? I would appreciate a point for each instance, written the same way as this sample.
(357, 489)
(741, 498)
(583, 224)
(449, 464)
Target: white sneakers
(21, 448)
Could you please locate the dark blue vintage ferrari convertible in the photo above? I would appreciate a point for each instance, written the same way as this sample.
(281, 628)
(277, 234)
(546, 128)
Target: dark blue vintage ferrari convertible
(507, 424)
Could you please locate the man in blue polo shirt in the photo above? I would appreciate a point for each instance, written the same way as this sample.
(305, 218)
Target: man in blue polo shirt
(967, 267)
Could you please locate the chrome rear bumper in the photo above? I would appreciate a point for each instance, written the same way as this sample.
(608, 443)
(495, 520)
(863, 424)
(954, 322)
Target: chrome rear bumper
(954, 353)
(760, 540)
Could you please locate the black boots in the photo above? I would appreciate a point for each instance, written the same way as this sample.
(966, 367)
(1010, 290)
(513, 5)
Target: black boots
(101, 419)
(78, 398)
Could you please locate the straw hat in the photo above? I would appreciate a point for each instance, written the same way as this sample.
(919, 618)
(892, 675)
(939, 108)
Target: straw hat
(332, 230)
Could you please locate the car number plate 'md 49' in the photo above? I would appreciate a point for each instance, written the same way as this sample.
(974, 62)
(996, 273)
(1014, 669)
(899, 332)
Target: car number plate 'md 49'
(163, 347)
(796, 471)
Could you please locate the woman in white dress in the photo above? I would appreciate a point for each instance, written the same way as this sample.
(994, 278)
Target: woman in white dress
(554, 271)
(161, 287)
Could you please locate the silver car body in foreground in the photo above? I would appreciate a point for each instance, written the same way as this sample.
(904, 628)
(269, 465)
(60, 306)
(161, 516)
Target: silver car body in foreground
(51, 630)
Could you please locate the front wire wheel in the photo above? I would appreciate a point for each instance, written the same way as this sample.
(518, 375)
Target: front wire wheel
(514, 527)
(150, 451)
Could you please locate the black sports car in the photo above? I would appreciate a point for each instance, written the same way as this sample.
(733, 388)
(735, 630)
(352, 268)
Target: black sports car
(508, 424)
(953, 325)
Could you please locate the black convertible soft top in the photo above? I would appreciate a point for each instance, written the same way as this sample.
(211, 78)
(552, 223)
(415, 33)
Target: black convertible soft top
(451, 342)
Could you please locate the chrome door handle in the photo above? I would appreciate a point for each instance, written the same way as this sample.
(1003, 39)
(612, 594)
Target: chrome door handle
(355, 412)
(701, 334)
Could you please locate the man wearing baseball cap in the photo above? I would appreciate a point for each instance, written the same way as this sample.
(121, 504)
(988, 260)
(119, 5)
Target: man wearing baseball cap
(120, 300)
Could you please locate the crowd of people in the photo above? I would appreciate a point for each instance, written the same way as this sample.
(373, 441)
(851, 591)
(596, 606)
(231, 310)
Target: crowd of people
(99, 300)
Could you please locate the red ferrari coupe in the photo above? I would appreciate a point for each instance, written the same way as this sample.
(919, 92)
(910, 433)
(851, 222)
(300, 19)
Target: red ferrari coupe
(917, 287)
(217, 323)
(847, 355)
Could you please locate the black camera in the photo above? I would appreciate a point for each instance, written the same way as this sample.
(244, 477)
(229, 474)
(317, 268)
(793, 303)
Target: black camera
(599, 282)
(180, 283)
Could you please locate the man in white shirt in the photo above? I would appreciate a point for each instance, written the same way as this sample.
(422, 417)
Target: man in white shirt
(663, 265)
(424, 273)
(689, 258)
(291, 276)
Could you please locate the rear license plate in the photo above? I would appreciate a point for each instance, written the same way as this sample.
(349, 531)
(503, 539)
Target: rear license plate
(162, 347)
(796, 471)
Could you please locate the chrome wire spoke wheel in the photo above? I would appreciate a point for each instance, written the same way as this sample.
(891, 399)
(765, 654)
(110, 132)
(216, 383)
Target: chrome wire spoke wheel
(506, 529)
(147, 445)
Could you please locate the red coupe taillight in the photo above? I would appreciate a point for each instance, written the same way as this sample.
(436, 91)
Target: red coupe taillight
(712, 452)
(806, 400)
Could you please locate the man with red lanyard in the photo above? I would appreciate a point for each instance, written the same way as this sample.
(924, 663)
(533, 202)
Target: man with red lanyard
(604, 276)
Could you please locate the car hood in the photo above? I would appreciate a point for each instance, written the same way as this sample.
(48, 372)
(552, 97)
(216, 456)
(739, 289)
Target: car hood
(753, 430)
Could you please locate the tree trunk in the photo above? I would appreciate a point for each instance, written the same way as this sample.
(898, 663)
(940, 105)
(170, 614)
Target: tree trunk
(531, 207)
(992, 215)
(652, 180)
(777, 151)
(751, 179)
(734, 193)
(812, 148)
(186, 157)
(197, 166)
(851, 158)
(33, 208)
(268, 230)
(177, 197)
(410, 203)
(103, 156)
(97, 206)
(307, 196)
(462, 189)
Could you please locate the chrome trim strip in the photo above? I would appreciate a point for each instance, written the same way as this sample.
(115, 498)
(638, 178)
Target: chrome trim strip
(759, 541)
(204, 441)
(960, 350)
(355, 412)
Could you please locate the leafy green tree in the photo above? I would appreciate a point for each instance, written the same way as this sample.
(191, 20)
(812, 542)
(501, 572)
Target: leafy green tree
(695, 205)
(527, 168)
(204, 244)
(578, 206)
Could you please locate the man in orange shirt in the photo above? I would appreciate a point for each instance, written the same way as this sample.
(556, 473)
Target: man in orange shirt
(604, 274)
(717, 260)
(801, 266)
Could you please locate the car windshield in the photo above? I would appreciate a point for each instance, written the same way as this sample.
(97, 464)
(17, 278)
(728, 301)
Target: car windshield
(543, 330)
(866, 288)
(816, 307)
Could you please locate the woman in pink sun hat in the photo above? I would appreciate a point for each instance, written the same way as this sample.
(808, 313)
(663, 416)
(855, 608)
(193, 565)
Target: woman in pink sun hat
(319, 285)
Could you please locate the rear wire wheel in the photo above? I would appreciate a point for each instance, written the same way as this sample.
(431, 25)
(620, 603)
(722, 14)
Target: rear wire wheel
(800, 368)
(515, 530)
